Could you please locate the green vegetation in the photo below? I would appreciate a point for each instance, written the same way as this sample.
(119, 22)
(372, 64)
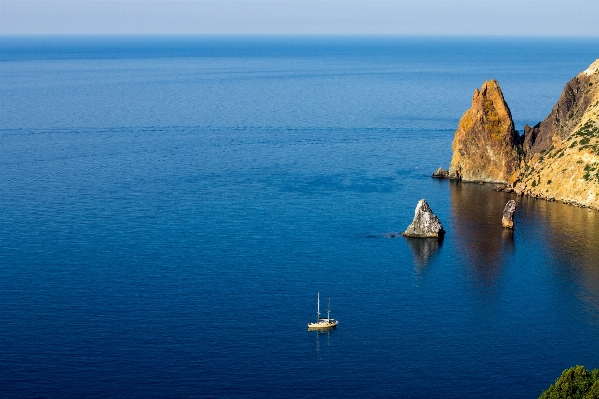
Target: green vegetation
(588, 169)
(586, 132)
(548, 181)
(574, 383)
(534, 183)
(575, 142)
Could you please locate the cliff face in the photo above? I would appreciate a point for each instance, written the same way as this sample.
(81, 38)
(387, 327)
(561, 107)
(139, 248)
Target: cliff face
(565, 116)
(563, 159)
(561, 153)
(484, 145)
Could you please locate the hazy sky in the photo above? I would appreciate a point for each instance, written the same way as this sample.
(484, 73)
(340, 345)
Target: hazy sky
(425, 17)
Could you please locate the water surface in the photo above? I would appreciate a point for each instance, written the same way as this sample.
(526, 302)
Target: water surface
(169, 209)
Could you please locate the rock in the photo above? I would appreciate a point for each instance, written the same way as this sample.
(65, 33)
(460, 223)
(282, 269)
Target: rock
(559, 157)
(566, 115)
(530, 136)
(562, 151)
(441, 173)
(425, 223)
(508, 214)
(485, 143)
(520, 188)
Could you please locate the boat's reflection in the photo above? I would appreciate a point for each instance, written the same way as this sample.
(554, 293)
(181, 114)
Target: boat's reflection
(320, 333)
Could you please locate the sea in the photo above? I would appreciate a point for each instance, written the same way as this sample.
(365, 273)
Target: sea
(172, 206)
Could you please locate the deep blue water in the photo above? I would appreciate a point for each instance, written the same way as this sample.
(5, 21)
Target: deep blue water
(170, 208)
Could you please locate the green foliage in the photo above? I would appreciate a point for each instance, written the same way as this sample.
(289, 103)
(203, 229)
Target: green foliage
(548, 181)
(534, 183)
(587, 131)
(575, 142)
(574, 383)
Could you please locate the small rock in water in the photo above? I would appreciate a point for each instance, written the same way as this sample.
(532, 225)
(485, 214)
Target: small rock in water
(441, 173)
(508, 214)
(425, 223)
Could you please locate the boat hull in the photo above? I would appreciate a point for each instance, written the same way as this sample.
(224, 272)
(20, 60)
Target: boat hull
(323, 325)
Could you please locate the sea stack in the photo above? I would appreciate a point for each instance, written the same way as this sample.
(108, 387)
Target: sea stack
(508, 214)
(485, 143)
(425, 223)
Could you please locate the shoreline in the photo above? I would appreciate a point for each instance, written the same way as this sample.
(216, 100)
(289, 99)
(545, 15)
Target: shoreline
(505, 188)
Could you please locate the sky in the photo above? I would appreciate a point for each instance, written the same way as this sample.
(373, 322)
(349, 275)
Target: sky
(302, 17)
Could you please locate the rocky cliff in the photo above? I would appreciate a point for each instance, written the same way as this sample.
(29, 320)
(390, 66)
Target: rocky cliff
(559, 157)
(562, 151)
(485, 143)
(566, 115)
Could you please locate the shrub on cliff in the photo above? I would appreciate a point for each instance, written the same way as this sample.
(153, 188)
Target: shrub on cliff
(574, 383)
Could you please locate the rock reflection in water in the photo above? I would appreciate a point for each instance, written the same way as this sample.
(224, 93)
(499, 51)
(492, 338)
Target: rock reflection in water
(476, 220)
(571, 236)
(424, 249)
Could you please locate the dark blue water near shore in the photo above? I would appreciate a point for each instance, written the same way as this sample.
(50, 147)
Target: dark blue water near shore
(170, 207)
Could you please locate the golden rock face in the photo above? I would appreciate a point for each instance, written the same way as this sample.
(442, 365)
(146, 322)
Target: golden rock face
(484, 145)
(563, 161)
(559, 159)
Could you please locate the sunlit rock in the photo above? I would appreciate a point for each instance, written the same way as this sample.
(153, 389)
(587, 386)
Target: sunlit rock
(485, 143)
(441, 173)
(508, 214)
(425, 223)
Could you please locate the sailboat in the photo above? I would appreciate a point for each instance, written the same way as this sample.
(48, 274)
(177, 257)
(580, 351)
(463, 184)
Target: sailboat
(322, 323)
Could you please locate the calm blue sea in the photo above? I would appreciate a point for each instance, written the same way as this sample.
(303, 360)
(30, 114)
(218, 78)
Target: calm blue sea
(171, 206)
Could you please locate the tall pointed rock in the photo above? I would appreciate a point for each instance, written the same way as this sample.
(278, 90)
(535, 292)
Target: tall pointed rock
(485, 143)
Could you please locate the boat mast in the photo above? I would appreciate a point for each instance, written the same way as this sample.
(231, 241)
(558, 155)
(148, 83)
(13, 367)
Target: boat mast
(329, 310)
(318, 311)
